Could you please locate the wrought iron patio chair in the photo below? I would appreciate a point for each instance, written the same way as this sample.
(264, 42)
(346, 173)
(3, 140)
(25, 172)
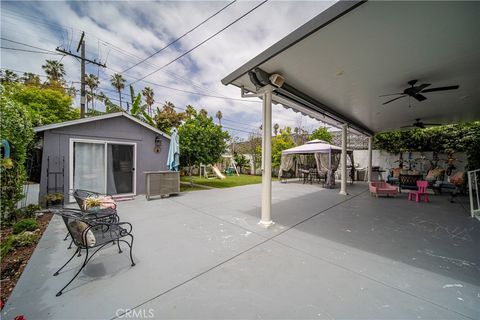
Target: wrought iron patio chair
(105, 214)
(91, 235)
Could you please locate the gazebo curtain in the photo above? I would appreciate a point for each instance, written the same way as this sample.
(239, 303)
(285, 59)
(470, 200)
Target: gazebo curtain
(325, 162)
(287, 163)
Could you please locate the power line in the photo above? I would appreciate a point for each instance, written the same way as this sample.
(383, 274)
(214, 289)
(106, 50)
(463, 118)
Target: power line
(31, 51)
(201, 43)
(187, 91)
(118, 49)
(179, 38)
(26, 45)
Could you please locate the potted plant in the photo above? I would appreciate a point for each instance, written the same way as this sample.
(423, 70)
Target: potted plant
(54, 198)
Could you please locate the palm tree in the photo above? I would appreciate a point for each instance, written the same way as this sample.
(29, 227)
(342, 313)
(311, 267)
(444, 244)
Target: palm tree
(118, 82)
(55, 70)
(29, 78)
(148, 94)
(92, 82)
(219, 116)
(275, 128)
(9, 76)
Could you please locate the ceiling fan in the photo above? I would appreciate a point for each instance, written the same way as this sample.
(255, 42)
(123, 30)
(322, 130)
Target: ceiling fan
(420, 124)
(416, 91)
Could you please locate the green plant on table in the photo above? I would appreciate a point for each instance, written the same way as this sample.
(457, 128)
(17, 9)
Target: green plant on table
(92, 202)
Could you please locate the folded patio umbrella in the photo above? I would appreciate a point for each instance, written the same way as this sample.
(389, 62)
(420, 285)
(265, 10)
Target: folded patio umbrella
(173, 159)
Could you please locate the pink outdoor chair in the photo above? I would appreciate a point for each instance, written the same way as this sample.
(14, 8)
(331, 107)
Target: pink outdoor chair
(422, 191)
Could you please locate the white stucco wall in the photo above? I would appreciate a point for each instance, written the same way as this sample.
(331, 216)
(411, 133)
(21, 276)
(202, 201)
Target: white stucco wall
(387, 160)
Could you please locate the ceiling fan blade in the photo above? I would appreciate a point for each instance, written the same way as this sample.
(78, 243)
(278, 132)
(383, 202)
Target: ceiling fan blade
(422, 86)
(441, 89)
(393, 99)
(391, 94)
(419, 97)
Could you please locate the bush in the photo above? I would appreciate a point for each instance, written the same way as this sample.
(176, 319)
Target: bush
(17, 130)
(24, 239)
(30, 210)
(25, 225)
(6, 246)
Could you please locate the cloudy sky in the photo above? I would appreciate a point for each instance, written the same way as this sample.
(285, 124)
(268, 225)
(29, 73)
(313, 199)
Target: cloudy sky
(122, 33)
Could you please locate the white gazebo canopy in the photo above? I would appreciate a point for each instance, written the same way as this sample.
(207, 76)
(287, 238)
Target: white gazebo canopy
(314, 146)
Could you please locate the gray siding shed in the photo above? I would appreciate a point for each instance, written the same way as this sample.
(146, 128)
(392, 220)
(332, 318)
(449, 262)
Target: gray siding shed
(118, 127)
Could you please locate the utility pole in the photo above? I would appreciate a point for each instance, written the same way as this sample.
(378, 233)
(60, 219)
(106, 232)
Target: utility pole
(83, 60)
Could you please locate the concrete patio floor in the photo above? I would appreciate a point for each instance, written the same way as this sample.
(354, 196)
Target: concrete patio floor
(202, 255)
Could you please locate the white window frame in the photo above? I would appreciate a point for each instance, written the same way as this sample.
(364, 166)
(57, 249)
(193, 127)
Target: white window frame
(105, 143)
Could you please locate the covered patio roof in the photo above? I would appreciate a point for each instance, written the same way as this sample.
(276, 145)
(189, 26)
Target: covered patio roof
(338, 64)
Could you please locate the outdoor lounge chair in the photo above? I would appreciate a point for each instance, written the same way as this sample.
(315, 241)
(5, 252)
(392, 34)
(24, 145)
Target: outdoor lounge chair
(92, 235)
(382, 188)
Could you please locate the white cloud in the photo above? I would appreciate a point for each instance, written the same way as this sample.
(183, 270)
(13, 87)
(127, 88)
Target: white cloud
(140, 28)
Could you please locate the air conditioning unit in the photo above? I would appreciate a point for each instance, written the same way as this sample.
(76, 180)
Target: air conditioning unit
(277, 80)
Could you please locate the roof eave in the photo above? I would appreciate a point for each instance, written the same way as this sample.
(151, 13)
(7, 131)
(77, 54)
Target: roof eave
(321, 20)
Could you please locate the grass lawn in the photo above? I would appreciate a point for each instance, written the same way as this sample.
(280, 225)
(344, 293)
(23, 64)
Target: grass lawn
(228, 182)
(184, 188)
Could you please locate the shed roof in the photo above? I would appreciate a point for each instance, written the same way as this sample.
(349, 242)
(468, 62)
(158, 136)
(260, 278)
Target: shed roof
(98, 118)
(338, 64)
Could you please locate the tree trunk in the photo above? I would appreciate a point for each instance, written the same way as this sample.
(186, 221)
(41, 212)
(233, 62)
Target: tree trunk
(190, 175)
(120, 96)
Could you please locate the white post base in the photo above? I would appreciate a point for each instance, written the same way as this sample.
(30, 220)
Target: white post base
(343, 193)
(266, 224)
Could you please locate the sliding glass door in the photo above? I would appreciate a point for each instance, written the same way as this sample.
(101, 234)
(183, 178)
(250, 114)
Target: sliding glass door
(102, 166)
(120, 168)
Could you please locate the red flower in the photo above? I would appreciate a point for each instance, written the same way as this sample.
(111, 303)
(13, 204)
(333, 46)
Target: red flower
(20, 317)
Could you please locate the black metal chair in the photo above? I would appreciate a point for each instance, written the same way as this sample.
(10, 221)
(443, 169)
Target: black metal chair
(109, 215)
(88, 234)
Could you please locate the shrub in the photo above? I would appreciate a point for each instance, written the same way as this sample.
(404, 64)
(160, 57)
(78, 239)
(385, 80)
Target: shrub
(17, 130)
(30, 210)
(6, 246)
(24, 239)
(25, 225)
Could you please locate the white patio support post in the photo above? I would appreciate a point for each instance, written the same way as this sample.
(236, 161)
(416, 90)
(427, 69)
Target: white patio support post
(266, 220)
(369, 164)
(343, 160)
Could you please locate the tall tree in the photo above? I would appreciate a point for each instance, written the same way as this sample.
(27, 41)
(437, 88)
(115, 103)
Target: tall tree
(9, 76)
(321, 133)
(55, 71)
(279, 143)
(45, 105)
(118, 82)
(138, 110)
(202, 141)
(167, 117)
(190, 112)
(219, 116)
(275, 128)
(149, 100)
(92, 83)
(29, 78)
